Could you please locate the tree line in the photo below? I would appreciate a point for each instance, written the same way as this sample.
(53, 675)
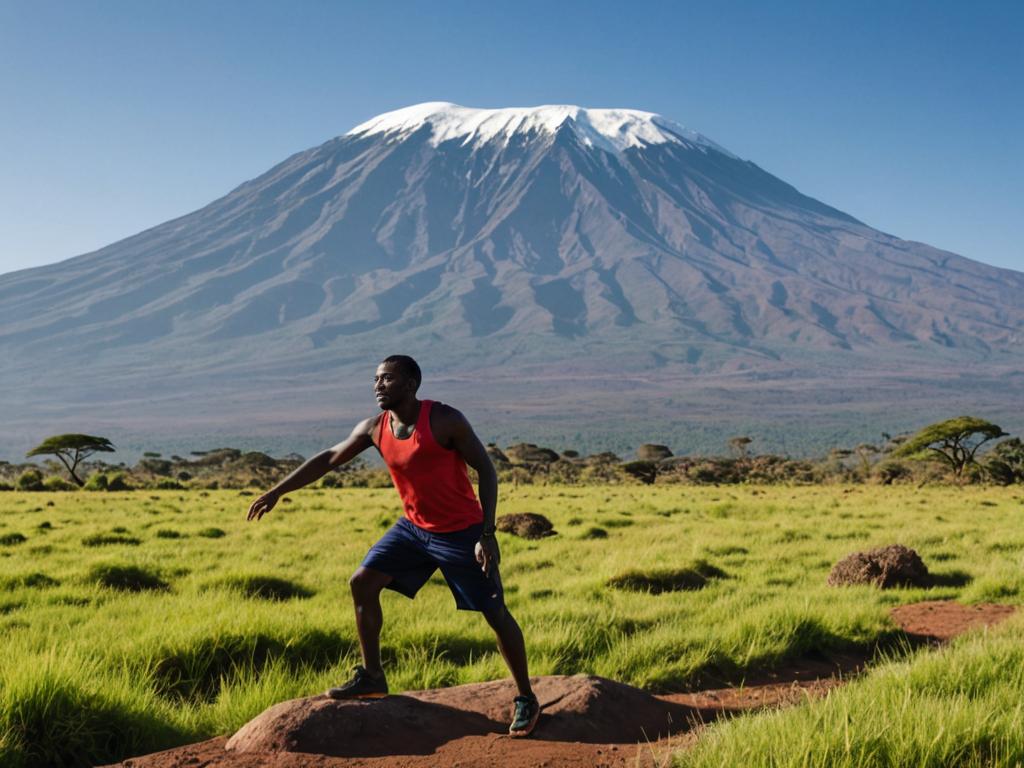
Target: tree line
(959, 450)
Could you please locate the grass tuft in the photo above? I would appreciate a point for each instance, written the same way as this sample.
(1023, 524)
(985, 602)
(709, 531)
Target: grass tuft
(32, 580)
(264, 587)
(9, 539)
(105, 539)
(126, 578)
(667, 579)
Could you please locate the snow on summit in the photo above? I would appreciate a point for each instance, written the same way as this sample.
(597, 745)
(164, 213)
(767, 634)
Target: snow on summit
(610, 129)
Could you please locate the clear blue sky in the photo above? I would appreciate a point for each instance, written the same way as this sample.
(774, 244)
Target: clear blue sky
(121, 114)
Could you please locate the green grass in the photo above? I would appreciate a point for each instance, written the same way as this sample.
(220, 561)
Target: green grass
(237, 616)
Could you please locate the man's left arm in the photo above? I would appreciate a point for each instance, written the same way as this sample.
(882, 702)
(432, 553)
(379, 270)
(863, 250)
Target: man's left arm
(465, 441)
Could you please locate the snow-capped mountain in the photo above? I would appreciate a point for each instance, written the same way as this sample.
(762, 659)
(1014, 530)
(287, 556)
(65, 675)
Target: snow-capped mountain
(558, 241)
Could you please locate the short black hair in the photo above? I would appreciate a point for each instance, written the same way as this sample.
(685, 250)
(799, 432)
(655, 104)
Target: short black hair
(409, 367)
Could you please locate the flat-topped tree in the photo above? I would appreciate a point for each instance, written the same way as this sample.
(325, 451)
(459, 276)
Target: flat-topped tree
(955, 440)
(72, 450)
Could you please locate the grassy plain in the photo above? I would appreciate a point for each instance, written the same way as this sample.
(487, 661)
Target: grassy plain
(136, 621)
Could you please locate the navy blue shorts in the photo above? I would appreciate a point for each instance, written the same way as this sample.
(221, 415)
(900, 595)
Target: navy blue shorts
(410, 555)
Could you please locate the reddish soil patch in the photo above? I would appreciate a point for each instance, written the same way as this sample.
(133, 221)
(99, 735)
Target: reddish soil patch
(588, 722)
(941, 620)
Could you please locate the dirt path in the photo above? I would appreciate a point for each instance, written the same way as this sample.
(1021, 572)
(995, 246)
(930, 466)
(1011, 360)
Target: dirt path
(588, 722)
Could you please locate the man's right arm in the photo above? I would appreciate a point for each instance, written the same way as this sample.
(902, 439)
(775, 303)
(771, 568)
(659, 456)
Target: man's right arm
(316, 467)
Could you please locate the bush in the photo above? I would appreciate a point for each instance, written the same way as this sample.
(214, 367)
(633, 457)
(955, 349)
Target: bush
(166, 484)
(30, 480)
(893, 471)
(55, 483)
(117, 482)
(211, 533)
(10, 539)
(96, 482)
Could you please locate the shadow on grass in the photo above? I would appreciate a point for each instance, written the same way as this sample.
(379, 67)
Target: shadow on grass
(127, 578)
(197, 670)
(660, 580)
(263, 587)
(60, 723)
(949, 579)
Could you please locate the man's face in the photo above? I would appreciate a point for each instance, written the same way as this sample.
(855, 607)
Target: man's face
(390, 385)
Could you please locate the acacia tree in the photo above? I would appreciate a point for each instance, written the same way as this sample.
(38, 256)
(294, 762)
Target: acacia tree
(738, 445)
(956, 441)
(72, 450)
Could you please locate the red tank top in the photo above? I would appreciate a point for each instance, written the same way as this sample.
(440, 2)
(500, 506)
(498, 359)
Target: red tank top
(431, 479)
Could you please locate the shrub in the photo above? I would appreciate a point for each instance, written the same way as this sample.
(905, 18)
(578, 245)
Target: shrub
(55, 483)
(117, 482)
(168, 533)
(595, 533)
(9, 539)
(96, 482)
(167, 484)
(126, 578)
(653, 452)
(30, 480)
(211, 533)
(893, 471)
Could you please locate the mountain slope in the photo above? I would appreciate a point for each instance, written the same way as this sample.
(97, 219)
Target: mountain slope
(494, 241)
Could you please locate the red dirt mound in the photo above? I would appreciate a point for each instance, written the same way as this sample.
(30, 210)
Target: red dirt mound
(323, 726)
(576, 709)
(885, 567)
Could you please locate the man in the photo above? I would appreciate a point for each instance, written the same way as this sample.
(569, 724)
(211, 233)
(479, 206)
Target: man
(426, 446)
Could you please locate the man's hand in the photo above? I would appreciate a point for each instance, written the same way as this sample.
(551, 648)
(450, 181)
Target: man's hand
(487, 553)
(262, 505)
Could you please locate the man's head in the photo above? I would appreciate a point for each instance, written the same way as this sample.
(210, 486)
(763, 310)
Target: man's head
(397, 378)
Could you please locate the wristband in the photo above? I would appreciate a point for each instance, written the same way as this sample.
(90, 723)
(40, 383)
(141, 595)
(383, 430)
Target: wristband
(489, 534)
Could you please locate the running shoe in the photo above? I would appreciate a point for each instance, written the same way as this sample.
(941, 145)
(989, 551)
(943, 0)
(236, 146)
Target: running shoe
(524, 718)
(363, 685)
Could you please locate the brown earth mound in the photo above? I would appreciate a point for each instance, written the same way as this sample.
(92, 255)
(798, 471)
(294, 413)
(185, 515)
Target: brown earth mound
(323, 726)
(528, 525)
(575, 709)
(885, 567)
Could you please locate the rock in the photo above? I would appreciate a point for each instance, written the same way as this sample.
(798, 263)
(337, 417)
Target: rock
(885, 567)
(528, 525)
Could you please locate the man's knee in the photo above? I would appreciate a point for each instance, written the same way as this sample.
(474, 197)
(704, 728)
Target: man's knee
(498, 617)
(367, 583)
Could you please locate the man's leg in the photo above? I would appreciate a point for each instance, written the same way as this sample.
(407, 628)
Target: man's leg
(366, 584)
(512, 646)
